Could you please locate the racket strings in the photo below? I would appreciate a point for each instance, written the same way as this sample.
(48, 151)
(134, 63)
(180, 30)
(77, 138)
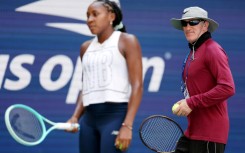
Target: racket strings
(25, 125)
(160, 134)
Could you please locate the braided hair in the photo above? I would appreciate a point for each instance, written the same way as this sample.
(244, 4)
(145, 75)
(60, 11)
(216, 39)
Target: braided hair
(114, 8)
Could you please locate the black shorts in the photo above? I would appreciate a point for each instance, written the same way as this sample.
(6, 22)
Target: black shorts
(97, 126)
(186, 145)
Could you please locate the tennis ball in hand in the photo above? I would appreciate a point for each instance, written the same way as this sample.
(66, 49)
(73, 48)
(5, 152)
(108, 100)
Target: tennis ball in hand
(175, 106)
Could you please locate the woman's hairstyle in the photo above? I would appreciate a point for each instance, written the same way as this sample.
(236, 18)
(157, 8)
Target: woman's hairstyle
(114, 8)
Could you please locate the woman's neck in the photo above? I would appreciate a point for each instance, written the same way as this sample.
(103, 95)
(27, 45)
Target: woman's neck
(104, 36)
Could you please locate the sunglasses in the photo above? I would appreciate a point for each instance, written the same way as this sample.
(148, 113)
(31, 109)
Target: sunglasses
(191, 23)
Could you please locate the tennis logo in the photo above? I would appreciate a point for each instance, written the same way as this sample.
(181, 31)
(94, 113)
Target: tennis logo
(70, 73)
(72, 9)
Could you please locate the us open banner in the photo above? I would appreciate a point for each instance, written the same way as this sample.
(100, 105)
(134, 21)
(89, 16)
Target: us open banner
(40, 64)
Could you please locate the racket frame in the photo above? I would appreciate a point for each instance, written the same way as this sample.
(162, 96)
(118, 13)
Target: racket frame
(41, 119)
(154, 116)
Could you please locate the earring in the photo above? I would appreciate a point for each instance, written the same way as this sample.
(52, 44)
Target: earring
(111, 23)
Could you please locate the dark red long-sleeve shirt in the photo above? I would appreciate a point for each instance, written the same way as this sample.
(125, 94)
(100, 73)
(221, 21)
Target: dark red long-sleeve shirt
(210, 84)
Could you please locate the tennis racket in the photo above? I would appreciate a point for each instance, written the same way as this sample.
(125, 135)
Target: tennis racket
(160, 133)
(28, 127)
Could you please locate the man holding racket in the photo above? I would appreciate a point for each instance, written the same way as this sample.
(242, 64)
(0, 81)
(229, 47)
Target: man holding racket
(112, 82)
(207, 83)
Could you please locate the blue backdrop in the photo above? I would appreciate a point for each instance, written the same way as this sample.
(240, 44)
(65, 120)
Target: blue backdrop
(40, 67)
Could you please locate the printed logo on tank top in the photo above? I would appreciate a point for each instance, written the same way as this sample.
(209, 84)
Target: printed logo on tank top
(97, 69)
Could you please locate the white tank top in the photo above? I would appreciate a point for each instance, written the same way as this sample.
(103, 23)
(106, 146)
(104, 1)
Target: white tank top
(105, 73)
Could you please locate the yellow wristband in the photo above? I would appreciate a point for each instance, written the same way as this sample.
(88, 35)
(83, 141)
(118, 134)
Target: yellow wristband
(128, 126)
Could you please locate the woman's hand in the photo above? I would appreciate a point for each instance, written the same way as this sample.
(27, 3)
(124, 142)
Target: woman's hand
(124, 138)
(73, 120)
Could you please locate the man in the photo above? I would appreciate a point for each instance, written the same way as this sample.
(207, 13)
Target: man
(207, 83)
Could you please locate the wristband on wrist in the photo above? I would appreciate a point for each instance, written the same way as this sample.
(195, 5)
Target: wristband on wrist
(128, 126)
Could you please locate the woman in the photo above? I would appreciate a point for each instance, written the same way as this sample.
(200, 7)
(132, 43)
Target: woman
(112, 82)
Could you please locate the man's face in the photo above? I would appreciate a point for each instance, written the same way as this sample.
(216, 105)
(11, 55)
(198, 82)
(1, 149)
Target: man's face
(194, 28)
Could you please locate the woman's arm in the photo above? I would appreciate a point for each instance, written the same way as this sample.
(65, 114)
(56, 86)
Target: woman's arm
(79, 110)
(131, 50)
(132, 53)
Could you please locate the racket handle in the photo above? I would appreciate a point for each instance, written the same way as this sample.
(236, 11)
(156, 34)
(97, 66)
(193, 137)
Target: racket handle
(67, 126)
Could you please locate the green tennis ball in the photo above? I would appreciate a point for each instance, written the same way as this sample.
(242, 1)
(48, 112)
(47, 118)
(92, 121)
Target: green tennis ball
(120, 146)
(175, 106)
